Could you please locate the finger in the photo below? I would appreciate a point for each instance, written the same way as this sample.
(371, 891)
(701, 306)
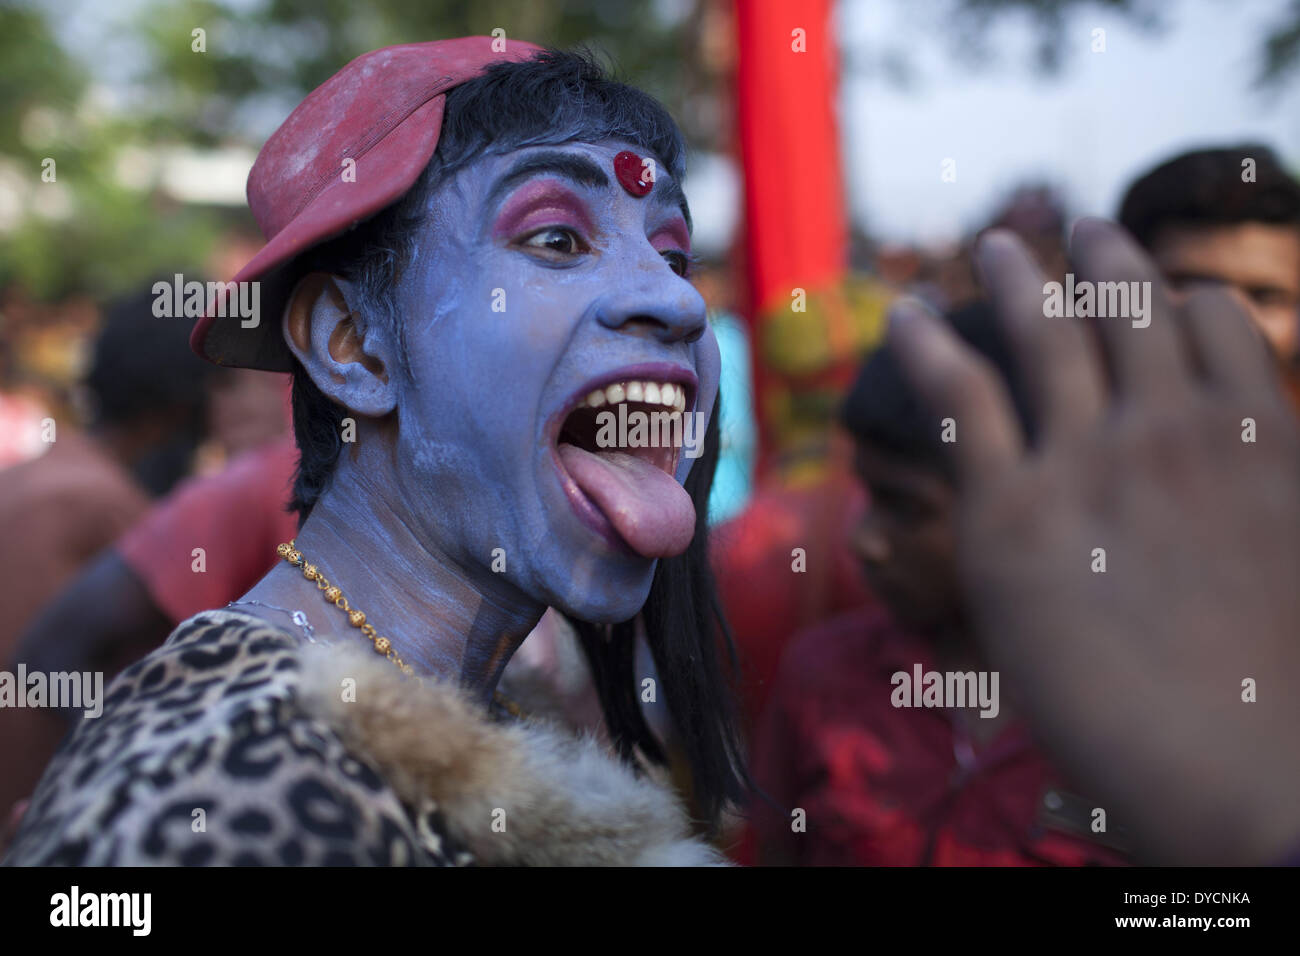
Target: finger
(956, 382)
(1230, 350)
(1059, 363)
(1146, 352)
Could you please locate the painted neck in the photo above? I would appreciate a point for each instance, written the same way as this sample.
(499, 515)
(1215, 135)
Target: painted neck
(443, 619)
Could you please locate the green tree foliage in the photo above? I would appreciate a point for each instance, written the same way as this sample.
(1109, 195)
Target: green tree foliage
(107, 223)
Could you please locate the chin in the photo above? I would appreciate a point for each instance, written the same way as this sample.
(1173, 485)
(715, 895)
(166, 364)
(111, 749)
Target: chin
(617, 600)
(906, 612)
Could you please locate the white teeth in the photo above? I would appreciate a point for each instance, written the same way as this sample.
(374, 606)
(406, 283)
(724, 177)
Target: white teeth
(665, 394)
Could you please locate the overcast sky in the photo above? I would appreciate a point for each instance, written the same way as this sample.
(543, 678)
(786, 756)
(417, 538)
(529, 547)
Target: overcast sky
(1105, 118)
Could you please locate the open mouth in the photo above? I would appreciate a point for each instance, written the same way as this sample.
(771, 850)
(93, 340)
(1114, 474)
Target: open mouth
(617, 445)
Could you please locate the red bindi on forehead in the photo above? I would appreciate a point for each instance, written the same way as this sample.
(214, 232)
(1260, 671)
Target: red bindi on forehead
(635, 174)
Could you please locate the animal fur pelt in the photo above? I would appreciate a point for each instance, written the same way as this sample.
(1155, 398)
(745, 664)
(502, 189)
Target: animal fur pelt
(521, 793)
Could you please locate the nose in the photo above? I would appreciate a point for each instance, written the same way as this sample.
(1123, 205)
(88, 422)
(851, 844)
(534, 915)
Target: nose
(651, 300)
(870, 543)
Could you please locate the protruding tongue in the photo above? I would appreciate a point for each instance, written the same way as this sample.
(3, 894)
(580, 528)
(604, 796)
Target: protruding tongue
(645, 504)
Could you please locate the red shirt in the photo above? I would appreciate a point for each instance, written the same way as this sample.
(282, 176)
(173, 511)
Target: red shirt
(884, 785)
(237, 517)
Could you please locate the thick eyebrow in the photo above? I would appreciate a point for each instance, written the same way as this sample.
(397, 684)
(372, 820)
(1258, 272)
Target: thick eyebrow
(571, 166)
(1196, 275)
(584, 172)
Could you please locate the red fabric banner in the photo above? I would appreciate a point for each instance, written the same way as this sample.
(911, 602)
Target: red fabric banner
(795, 224)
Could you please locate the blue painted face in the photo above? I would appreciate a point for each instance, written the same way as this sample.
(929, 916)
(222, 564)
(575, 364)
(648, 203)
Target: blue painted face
(541, 294)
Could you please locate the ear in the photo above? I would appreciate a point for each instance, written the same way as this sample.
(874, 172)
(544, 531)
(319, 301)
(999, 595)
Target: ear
(346, 361)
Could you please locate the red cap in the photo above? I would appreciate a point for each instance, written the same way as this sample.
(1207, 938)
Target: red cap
(384, 111)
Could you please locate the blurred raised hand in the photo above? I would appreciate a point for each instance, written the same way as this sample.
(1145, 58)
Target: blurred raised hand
(1138, 677)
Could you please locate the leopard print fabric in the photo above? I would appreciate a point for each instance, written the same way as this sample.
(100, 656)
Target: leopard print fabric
(203, 756)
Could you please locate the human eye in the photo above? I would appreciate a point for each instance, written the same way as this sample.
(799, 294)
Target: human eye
(680, 262)
(554, 243)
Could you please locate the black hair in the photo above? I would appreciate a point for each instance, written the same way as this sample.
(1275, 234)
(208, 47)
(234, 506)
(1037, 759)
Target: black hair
(685, 629)
(1206, 188)
(142, 368)
(884, 409)
(142, 364)
(552, 98)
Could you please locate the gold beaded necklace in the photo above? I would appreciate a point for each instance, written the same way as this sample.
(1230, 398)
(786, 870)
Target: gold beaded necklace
(357, 618)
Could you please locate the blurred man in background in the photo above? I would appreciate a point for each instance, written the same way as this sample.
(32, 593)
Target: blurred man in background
(1230, 218)
(146, 395)
(146, 398)
(883, 784)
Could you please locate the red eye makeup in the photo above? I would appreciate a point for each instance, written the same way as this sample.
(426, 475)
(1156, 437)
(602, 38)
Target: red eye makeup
(540, 203)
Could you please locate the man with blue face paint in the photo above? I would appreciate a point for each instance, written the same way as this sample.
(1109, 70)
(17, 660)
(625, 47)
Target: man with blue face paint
(475, 249)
